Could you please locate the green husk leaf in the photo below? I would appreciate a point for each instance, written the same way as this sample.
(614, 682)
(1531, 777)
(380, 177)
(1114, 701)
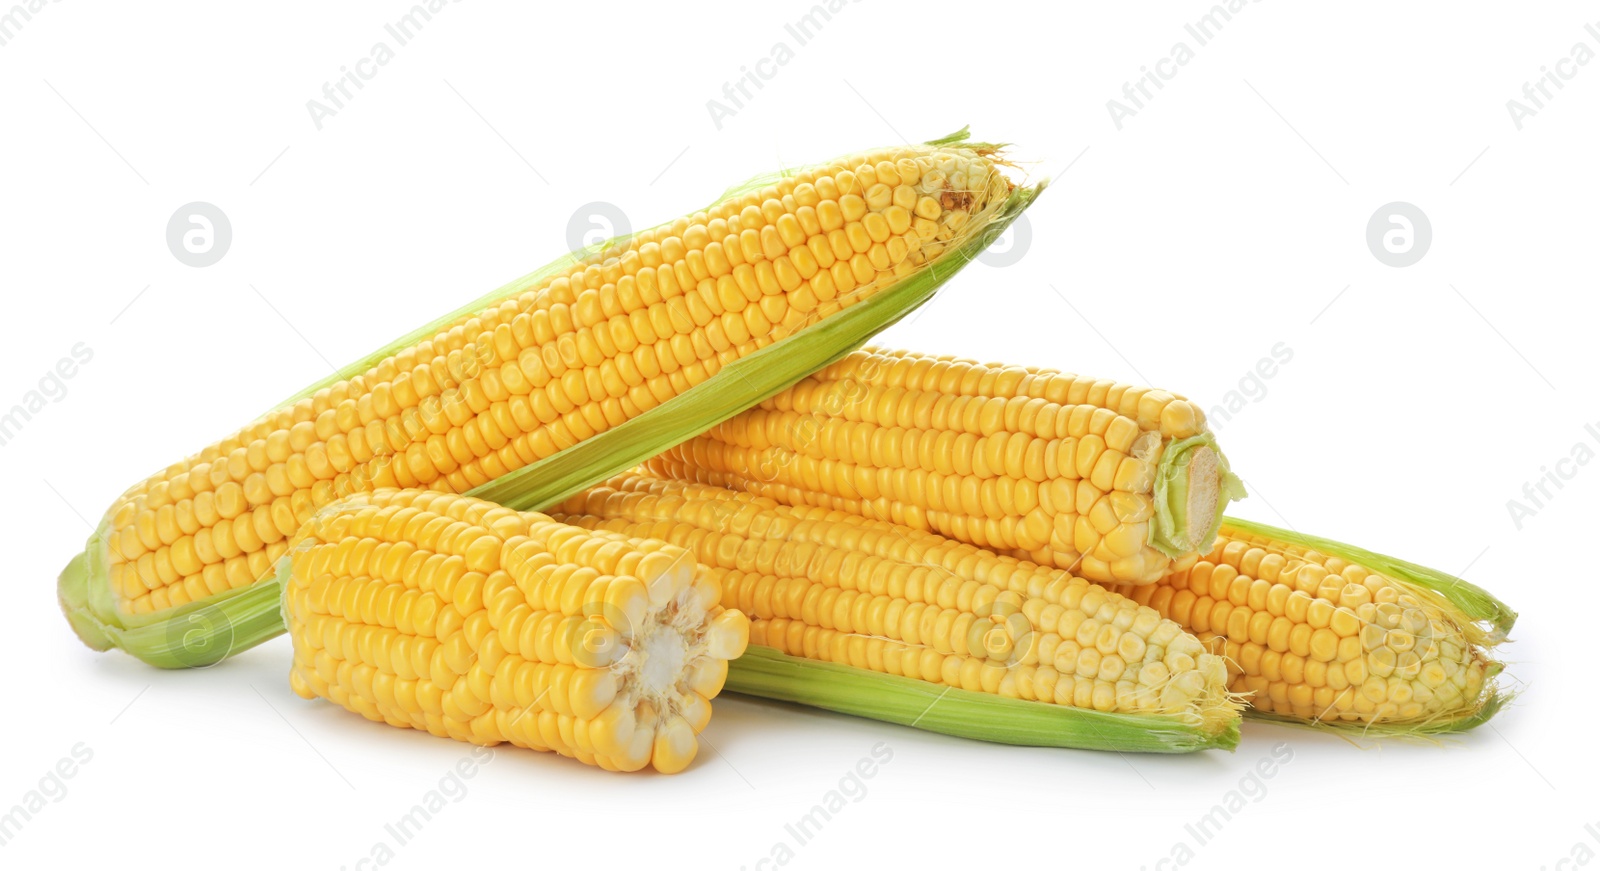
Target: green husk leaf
(767, 673)
(1173, 532)
(202, 633)
(191, 636)
(1476, 603)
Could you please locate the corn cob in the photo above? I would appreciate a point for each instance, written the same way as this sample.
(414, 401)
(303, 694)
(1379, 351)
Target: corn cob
(561, 378)
(1316, 631)
(475, 622)
(1117, 484)
(883, 621)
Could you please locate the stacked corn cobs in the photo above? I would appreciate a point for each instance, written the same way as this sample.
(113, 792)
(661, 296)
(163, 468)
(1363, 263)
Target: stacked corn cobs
(1008, 554)
(1058, 469)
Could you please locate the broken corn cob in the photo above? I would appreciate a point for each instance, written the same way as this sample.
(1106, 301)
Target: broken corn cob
(884, 621)
(1316, 631)
(475, 622)
(1117, 484)
(568, 375)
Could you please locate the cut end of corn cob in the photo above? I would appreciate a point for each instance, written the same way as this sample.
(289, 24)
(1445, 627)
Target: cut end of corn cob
(475, 622)
(1193, 487)
(1319, 632)
(1203, 482)
(568, 375)
(1115, 483)
(884, 604)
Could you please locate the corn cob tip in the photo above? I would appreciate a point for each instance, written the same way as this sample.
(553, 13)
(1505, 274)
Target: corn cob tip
(1325, 634)
(963, 139)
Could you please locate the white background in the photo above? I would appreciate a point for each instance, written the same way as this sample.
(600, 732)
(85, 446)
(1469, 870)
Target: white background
(1225, 217)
